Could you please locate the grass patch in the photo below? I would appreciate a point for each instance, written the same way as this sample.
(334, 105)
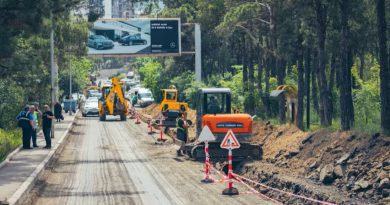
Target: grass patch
(9, 140)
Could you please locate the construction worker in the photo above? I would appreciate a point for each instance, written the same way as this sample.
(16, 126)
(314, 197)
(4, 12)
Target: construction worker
(134, 100)
(182, 131)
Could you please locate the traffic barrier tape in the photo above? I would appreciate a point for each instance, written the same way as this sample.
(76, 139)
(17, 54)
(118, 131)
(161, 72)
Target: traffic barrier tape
(254, 191)
(283, 192)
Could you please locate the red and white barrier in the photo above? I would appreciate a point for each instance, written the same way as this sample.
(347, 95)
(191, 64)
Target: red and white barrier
(282, 192)
(207, 178)
(230, 190)
(137, 121)
(161, 139)
(151, 126)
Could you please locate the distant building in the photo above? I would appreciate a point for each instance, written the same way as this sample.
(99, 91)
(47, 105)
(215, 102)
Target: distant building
(122, 9)
(95, 9)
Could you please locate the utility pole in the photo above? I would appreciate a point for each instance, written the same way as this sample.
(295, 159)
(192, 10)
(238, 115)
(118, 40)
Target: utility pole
(54, 71)
(70, 86)
(198, 53)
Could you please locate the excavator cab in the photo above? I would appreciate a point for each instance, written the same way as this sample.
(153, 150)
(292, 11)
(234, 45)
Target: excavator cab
(170, 107)
(214, 109)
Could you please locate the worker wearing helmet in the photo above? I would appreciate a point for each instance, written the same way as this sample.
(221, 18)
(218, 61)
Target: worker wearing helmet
(182, 131)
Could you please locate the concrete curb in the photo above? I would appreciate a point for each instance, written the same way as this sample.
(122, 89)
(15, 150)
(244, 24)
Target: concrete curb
(28, 184)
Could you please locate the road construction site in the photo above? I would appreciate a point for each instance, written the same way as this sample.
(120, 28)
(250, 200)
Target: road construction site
(127, 156)
(116, 162)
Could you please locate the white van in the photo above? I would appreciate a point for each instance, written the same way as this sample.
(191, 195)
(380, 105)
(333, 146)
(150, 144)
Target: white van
(144, 97)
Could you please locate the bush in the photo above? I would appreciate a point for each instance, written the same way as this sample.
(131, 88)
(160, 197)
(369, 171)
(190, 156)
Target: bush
(9, 140)
(12, 100)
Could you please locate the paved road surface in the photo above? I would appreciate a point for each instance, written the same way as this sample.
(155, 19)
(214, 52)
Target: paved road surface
(115, 162)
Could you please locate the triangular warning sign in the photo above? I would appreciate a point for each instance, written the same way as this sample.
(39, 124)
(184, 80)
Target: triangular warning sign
(230, 141)
(206, 135)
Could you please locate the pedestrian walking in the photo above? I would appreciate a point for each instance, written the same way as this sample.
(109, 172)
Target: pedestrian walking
(58, 112)
(47, 118)
(182, 131)
(25, 121)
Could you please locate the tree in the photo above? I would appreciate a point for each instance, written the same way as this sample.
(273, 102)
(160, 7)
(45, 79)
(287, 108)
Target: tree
(321, 8)
(384, 65)
(301, 84)
(346, 106)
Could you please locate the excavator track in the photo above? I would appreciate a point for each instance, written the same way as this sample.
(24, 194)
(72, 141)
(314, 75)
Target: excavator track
(217, 154)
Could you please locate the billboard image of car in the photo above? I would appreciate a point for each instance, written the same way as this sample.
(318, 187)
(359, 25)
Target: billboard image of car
(115, 37)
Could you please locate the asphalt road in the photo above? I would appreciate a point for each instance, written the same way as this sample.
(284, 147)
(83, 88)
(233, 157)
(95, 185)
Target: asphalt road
(116, 162)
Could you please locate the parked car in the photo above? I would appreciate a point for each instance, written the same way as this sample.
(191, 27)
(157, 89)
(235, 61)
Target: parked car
(99, 42)
(132, 40)
(90, 107)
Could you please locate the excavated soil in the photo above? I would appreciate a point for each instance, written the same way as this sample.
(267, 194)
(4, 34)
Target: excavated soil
(340, 167)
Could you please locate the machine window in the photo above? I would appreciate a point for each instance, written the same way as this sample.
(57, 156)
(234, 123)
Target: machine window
(216, 103)
(171, 96)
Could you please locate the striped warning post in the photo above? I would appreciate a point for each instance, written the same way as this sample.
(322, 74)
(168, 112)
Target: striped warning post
(137, 121)
(230, 190)
(207, 178)
(150, 126)
(161, 139)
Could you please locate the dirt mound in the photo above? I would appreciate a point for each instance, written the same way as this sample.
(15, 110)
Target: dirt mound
(152, 110)
(277, 140)
(356, 165)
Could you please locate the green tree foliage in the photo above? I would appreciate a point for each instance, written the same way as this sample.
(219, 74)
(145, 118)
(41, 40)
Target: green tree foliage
(273, 38)
(367, 99)
(24, 51)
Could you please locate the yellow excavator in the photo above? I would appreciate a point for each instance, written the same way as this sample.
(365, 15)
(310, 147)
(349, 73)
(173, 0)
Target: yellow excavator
(170, 107)
(113, 100)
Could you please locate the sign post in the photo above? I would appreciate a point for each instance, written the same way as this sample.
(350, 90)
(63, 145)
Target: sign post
(205, 136)
(230, 142)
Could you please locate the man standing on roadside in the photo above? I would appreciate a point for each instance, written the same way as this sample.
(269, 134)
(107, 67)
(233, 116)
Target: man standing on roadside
(25, 121)
(47, 118)
(35, 112)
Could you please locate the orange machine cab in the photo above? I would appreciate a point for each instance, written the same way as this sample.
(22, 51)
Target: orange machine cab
(214, 110)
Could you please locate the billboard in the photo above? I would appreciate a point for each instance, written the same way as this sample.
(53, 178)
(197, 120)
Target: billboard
(115, 37)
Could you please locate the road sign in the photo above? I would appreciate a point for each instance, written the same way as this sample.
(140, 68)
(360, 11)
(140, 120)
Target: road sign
(206, 135)
(230, 141)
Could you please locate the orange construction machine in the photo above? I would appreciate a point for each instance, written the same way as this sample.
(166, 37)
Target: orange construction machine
(214, 110)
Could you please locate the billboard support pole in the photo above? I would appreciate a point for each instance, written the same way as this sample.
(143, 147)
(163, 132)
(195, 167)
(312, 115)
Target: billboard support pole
(53, 71)
(198, 53)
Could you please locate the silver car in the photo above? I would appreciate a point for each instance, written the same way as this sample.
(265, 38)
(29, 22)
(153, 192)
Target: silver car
(90, 107)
